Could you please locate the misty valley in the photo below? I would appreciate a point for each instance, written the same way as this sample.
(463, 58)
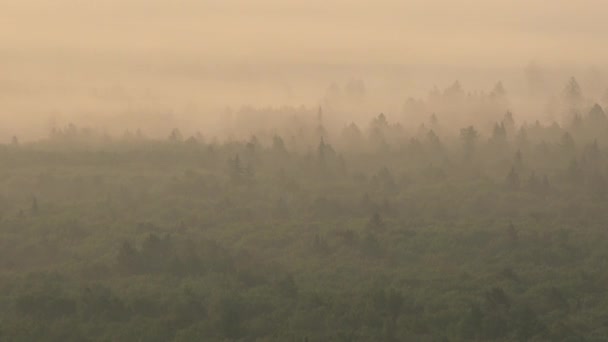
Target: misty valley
(470, 225)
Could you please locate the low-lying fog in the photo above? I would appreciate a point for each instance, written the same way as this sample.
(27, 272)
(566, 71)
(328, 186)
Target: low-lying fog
(158, 64)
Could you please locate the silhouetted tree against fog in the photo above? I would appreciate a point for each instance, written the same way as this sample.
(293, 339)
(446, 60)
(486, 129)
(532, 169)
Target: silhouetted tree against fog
(434, 142)
(509, 123)
(596, 115)
(378, 131)
(498, 91)
(252, 145)
(176, 136)
(323, 150)
(433, 121)
(454, 92)
(595, 124)
(572, 91)
(278, 145)
(352, 138)
(321, 133)
(499, 137)
(591, 153)
(573, 96)
(236, 170)
(469, 138)
(577, 122)
(499, 95)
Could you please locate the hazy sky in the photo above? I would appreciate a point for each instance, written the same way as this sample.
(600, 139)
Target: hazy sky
(444, 32)
(91, 61)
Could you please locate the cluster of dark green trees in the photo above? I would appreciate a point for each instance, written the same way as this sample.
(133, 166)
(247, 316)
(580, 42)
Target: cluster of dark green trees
(489, 232)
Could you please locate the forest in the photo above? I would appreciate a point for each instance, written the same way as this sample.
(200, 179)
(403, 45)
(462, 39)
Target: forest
(453, 220)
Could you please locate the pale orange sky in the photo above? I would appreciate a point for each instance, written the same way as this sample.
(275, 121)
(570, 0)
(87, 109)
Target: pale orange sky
(468, 32)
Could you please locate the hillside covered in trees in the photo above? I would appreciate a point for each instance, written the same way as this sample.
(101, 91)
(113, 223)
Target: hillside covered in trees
(476, 227)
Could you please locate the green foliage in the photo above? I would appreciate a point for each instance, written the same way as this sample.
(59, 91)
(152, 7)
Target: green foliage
(397, 239)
